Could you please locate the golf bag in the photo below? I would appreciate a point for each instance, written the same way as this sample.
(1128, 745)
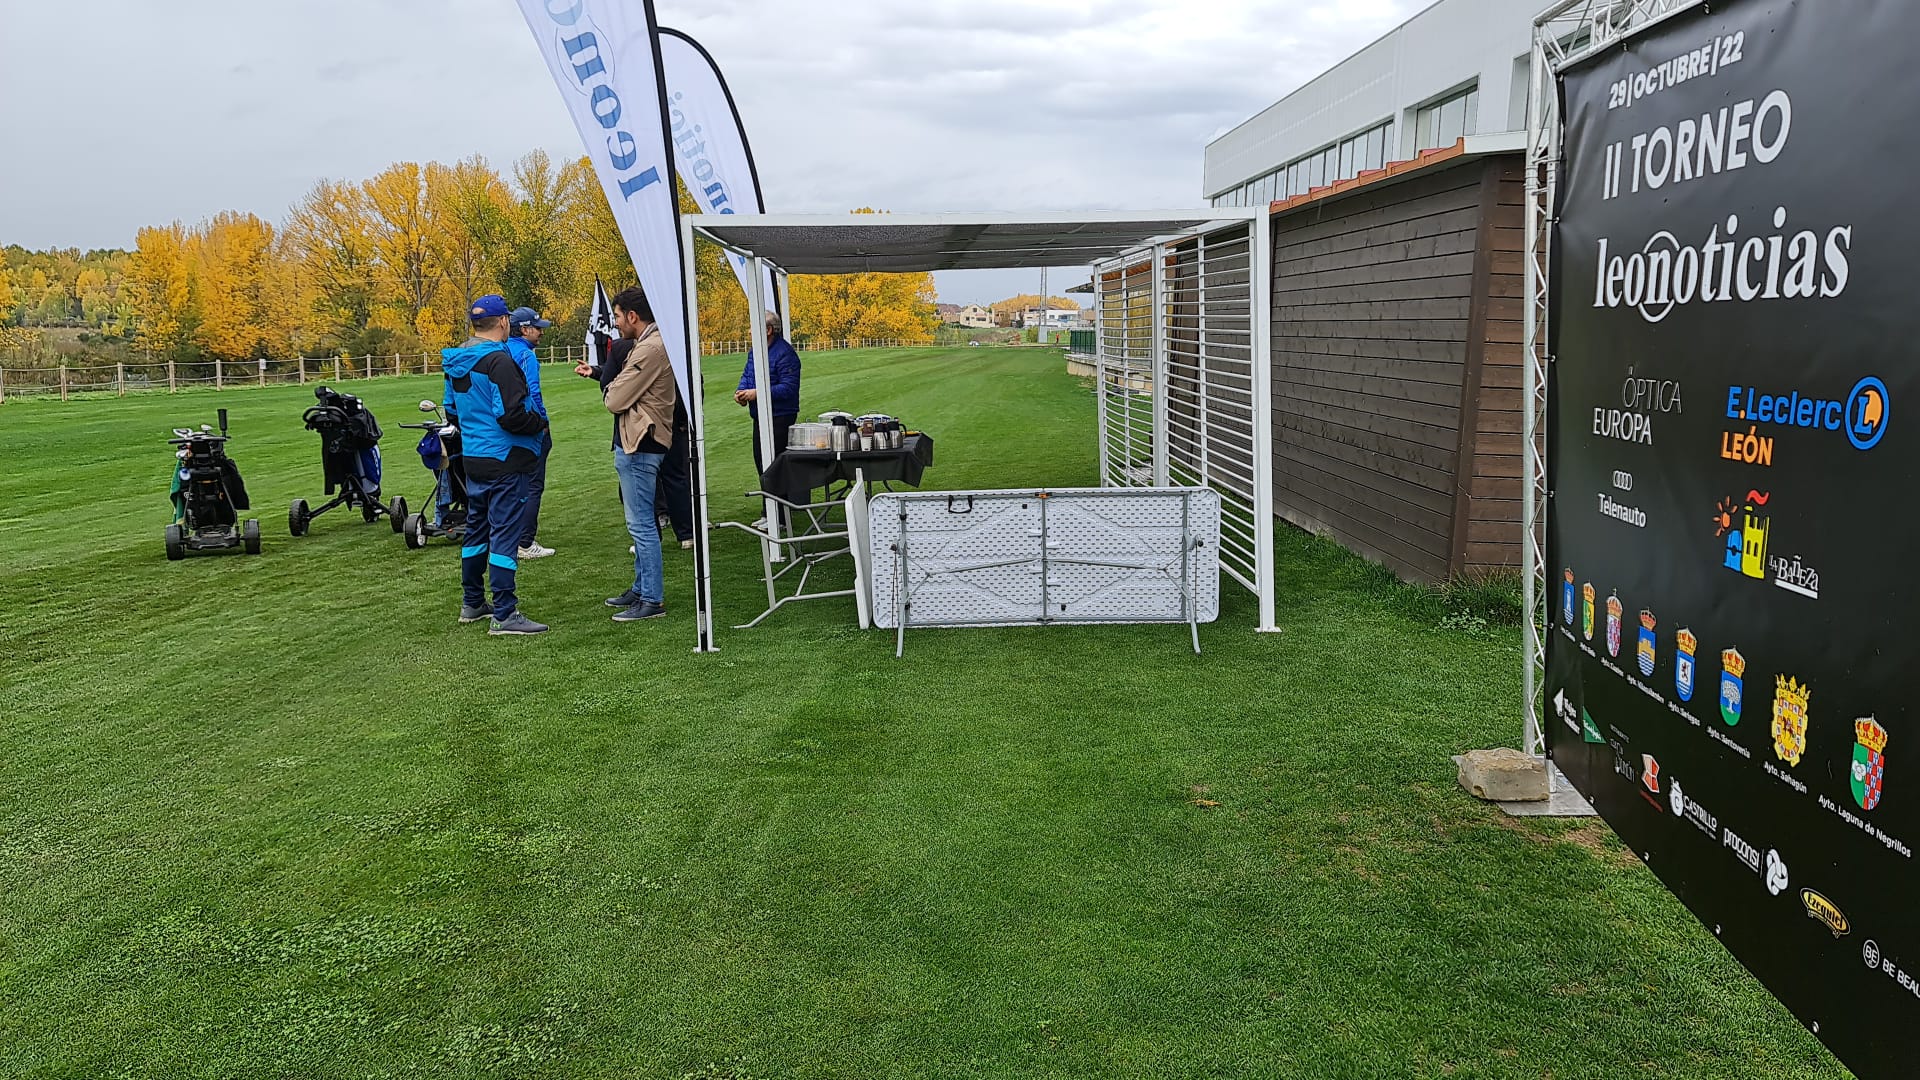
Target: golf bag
(349, 460)
(207, 496)
(439, 450)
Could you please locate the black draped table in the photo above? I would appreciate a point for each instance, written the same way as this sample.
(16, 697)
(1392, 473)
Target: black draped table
(795, 474)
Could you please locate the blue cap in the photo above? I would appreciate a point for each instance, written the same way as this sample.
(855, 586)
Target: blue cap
(526, 316)
(488, 306)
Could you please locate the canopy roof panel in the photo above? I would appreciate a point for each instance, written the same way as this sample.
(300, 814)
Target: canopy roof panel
(903, 243)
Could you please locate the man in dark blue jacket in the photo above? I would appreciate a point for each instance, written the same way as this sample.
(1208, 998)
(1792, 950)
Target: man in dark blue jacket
(783, 366)
(500, 433)
(524, 328)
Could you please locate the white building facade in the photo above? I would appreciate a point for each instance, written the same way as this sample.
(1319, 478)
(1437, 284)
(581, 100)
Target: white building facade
(1456, 69)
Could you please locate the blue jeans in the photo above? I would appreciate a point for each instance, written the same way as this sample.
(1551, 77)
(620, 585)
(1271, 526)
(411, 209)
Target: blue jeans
(639, 473)
(490, 554)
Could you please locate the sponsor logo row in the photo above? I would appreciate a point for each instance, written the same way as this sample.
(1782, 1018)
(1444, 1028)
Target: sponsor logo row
(1758, 415)
(1665, 793)
(1791, 707)
(1745, 528)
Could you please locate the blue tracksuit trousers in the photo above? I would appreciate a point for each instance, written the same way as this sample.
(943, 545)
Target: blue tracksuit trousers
(496, 513)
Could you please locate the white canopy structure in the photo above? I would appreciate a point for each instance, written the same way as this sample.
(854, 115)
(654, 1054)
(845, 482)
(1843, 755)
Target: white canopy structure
(1183, 349)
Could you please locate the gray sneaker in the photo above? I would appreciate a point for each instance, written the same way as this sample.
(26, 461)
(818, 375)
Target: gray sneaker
(475, 614)
(645, 609)
(516, 623)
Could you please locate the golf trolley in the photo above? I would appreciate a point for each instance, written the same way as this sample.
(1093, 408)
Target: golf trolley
(439, 450)
(207, 496)
(350, 459)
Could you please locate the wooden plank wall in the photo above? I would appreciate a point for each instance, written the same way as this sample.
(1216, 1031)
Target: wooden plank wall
(1492, 541)
(1395, 370)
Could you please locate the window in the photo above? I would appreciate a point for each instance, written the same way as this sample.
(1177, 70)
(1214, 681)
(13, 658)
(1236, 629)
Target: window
(1343, 160)
(1444, 121)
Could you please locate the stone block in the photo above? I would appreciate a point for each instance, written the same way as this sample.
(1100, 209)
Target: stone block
(1503, 775)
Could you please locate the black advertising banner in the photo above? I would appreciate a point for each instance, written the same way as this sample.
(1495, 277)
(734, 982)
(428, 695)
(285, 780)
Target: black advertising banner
(1734, 650)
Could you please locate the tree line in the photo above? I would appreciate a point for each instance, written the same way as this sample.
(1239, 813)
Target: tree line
(389, 264)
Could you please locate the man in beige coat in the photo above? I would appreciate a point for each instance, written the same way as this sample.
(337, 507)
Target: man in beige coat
(641, 396)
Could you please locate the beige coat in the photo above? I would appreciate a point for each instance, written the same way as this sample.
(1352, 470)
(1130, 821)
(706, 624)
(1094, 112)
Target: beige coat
(643, 394)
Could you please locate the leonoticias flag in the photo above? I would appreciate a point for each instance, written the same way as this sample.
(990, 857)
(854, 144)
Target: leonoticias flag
(710, 141)
(604, 54)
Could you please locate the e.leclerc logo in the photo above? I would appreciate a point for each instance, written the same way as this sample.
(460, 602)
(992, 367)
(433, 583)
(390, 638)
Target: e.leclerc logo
(1862, 416)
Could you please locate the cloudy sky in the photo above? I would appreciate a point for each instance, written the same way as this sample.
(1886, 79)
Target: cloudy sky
(129, 112)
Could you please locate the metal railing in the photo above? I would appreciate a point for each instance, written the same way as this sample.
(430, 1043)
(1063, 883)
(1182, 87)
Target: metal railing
(117, 380)
(67, 381)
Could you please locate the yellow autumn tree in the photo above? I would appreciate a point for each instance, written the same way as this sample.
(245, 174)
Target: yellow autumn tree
(399, 236)
(160, 288)
(97, 290)
(842, 307)
(1006, 311)
(589, 236)
(468, 208)
(233, 267)
(531, 260)
(6, 297)
(329, 237)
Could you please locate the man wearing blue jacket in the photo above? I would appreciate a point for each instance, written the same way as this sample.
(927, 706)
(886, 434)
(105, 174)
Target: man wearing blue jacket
(523, 334)
(783, 367)
(500, 434)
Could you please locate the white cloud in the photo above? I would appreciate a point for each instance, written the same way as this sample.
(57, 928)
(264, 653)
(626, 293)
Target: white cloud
(150, 112)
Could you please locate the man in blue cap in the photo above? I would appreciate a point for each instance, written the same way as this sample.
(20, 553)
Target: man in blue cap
(500, 439)
(525, 325)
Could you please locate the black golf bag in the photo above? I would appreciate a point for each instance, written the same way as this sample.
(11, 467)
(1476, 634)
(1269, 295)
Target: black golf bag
(349, 461)
(208, 495)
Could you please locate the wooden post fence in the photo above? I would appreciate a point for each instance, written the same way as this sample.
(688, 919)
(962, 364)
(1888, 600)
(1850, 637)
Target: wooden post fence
(336, 369)
(170, 382)
(3, 385)
(63, 382)
(219, 376)
(303, 371)
(120, 378)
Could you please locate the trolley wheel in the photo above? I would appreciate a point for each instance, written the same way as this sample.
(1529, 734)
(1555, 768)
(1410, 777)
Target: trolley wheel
(414, 529)
(176, 544)
(297, 518)
(370, 511)
(250, 535)
(397, 511)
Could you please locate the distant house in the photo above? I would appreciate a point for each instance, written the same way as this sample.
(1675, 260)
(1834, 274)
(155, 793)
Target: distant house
(949, 313)
(972, 315)
(1052, 318)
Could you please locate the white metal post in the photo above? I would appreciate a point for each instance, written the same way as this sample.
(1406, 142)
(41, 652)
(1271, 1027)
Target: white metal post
(1100, 381)
(763, 392)
(697, 444)
(1157, 365)
(1260, 315)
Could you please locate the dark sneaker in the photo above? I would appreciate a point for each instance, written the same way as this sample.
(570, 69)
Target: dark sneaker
(475, 614)
(515, 623)
(624, 600)
(645, 609)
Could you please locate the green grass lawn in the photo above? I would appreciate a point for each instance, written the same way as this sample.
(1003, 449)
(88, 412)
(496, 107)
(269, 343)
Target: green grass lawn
(281, 817)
